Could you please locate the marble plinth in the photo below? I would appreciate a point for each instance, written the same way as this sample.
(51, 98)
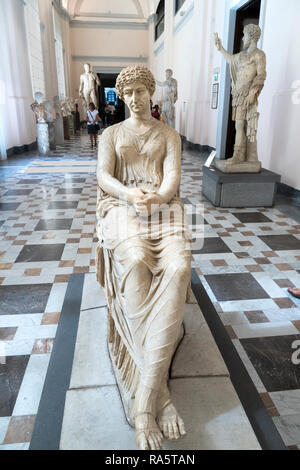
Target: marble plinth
(243, 167)
(71, 125)
(240, 190)
(59, 131)
(52, 141)
(43, 138)
(94, 417)
(66, 128)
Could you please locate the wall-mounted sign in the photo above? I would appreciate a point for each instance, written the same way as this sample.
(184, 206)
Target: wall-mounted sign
(215, 96)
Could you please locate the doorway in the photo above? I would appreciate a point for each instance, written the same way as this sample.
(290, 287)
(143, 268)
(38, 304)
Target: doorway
(107, 95)
(247, 14)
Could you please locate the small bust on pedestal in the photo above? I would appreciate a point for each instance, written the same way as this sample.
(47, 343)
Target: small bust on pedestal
(38, 107)
(248, 73)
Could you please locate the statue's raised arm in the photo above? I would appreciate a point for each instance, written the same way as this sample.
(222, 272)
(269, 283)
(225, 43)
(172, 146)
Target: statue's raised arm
(220, 48)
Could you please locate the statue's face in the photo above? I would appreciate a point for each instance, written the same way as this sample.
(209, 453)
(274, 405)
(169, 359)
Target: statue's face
(246, 39)
(168, 74)
(137, 97)
(87, 68)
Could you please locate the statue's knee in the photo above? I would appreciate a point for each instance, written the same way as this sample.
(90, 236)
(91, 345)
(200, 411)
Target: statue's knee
(181, 267)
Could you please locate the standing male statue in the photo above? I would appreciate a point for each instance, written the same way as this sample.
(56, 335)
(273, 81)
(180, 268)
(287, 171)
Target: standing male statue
(248, 73)
(89, 81)
(169, 98)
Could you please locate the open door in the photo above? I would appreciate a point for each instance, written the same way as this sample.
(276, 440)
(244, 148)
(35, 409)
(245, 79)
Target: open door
(108, 81)
(247, 14)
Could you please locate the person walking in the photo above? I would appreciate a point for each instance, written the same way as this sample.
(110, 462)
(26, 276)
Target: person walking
(93, 120)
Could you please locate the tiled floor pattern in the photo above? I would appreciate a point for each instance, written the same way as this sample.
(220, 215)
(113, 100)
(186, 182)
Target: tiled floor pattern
(47, 232)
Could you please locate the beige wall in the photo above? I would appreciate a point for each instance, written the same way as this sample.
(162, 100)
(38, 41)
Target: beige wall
(279, 134)
(189, 50)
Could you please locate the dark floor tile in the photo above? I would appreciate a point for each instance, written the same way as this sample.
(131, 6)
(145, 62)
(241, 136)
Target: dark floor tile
(34, 253)
(75, 180)
(54, 224)
(9, 206)
(1, 223)
(213, 245)
(272, 359)
(20, 429)
(11, 376)
(30, 181)
(7, 334)
(70, 191)
(19, 192)
(281, 242)
(24, 298)
(251, 217)
(228, 287)
(63, 205)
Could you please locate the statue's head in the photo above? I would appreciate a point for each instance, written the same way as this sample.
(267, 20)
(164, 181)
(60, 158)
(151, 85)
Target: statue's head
(169, 74)
(87, 68)
(39, 97)
(136, 85)
(252, 32)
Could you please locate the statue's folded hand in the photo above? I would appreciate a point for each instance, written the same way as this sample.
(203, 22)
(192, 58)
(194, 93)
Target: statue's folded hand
(149, 204)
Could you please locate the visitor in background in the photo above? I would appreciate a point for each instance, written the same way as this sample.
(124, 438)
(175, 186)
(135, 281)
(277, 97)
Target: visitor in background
(112, 112)
(155, 112)
(93, 120)
(106, 122)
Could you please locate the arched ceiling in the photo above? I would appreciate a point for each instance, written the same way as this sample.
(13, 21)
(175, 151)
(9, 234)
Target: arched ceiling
(109, 9)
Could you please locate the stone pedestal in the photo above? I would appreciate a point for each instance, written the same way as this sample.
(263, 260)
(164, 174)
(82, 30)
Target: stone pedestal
(71, 124)
(51, 130)
(240, 190)
(59, 131)
(43, 138)
(199, 381)
(77, 120)
(66, 128)
(243, 167)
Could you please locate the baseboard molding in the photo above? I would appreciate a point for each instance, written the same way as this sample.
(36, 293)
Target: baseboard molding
(197, 147)
(21, 149)
(289, 192)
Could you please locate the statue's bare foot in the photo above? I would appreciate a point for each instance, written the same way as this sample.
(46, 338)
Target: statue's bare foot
(148, 435)
(168, 419)
(170, 423)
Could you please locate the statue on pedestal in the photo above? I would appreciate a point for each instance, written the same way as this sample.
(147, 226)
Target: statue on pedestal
(77, 117)
(51, 120)
(38, 107)
(169, 98)
(65, 113)
(88, 89)
(143, 257)
(59, 125)
(248, 73)
(70, 107)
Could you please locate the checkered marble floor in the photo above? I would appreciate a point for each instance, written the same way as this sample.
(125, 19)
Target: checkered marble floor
(47, 232)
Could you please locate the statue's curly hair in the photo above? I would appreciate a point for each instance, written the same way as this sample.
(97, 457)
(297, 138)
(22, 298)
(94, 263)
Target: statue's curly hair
(133, 74)
(254, 31)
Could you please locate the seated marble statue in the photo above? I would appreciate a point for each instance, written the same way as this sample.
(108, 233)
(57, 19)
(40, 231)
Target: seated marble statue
(143, 255)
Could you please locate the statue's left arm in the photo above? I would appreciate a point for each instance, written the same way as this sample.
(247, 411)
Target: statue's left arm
(171, 168)
(259, 80)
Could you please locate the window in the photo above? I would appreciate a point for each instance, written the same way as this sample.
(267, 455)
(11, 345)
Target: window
(160, 21)
(59, 53)
(178, 5)
(34, 40)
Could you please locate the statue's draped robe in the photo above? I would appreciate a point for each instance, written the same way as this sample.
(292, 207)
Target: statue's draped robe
(126, 240)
